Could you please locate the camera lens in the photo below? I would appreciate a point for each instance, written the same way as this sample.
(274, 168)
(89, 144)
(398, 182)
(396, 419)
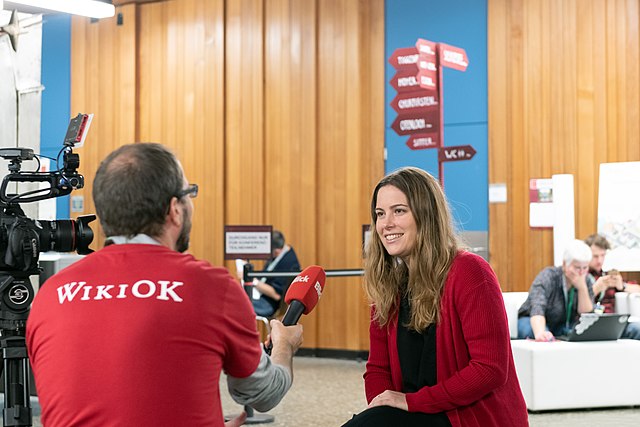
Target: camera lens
(66, 235)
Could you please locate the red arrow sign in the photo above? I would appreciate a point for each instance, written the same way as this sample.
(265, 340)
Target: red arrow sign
(417, 122)
(418, 100)
(453, 57)
(428, 79)
(421, 141)
(452, 154)
(404, 57)
(427, 63)
(405, 80)
(426, 47)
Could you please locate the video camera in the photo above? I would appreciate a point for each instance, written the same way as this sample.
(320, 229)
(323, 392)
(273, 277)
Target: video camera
(21, 238)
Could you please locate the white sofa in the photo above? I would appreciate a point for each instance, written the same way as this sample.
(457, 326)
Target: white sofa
(512, 302)
(564, 375)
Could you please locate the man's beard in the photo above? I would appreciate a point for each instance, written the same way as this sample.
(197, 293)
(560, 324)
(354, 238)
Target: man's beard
(182, 244)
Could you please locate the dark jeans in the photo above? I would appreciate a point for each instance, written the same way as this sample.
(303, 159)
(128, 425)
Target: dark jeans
(386, 416)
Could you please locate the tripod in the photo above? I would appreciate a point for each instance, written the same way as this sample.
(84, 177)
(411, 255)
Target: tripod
(16, 294)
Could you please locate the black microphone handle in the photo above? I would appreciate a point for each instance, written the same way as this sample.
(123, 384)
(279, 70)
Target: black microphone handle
(291, 317)
(293, 313)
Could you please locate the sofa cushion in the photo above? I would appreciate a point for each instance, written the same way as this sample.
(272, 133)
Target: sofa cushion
(512, 303)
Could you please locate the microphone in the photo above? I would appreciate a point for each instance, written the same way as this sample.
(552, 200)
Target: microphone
(302, 296)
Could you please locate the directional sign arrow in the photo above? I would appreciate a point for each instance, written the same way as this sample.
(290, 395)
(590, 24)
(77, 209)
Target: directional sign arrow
(426, 47)
(456, 153)
(428, 79)
(418, 100)
(417, 122)
(404, 57)
(405, 80)
(453, 57)
(420, 141)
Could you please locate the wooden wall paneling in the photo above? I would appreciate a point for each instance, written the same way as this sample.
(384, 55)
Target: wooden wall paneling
(586, 183)
(244, 112)
(332, 163)
(181, 86)
(620, 46)
(563, 92)
(498, 52)
(536, 116)
(613, 77)
(371, 58)
(103, 63)
(516, 150)
(213, 147)
(343, 55)
(546, 123)
(599, 124)
(290, 131)
(351, 289)
(632, 42)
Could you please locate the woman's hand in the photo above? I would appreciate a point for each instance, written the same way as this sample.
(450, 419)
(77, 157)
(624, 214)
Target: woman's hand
(394, 399)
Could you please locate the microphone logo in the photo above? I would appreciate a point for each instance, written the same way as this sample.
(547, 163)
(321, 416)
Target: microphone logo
(303, 279)
(318, 288)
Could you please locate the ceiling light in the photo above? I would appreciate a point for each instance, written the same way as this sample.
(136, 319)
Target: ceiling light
(89, 8)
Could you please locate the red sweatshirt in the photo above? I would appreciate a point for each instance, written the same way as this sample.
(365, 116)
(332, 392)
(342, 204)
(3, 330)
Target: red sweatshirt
(477, 382)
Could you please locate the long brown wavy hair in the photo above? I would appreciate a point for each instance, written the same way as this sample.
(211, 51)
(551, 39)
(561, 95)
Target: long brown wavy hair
(430, 259)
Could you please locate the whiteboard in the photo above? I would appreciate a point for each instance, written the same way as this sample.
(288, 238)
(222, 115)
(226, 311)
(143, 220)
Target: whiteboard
(619, 214)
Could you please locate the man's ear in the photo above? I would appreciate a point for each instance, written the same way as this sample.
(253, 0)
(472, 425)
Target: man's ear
(175, 213)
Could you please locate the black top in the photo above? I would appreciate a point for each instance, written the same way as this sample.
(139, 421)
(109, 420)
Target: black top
(417, 354)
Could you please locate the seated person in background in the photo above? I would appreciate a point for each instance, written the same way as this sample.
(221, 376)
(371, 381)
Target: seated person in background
(137, 333)
(607, 285)
(270, 291)
(558, 295)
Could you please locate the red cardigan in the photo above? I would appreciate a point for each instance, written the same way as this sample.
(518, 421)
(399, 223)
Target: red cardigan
(477, 382)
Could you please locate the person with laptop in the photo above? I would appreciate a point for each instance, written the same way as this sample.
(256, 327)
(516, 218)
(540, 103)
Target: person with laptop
(558, 295)
(606, 285)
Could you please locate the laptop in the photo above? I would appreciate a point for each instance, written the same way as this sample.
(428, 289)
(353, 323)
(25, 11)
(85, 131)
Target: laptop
(597, 327)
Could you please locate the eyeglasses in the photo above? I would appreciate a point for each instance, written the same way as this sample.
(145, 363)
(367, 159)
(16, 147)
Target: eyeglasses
(191, 191)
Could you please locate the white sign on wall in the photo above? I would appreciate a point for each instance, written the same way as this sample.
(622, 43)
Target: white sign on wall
(619, 214)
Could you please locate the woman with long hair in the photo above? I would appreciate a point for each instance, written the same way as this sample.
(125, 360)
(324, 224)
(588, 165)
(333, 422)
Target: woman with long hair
(440, 352)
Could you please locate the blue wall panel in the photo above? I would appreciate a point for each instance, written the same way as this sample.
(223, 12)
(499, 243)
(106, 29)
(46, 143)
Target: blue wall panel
(56, 98)
(461, 23)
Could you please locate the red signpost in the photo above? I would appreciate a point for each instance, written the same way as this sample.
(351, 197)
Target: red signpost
(419, 101)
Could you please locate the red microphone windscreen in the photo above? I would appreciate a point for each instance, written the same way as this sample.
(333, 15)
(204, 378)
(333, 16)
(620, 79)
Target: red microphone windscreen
(307, 287)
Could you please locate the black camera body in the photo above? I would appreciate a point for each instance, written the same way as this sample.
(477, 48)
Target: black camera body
(22, 239)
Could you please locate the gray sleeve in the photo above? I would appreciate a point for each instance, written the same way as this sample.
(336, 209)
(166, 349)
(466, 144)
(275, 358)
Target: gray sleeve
(263, 389)
(539, 292)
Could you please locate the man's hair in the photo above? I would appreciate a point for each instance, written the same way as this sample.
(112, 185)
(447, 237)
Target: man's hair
(277, 240)
(577, 250)
(133, 189)
(599, 241)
